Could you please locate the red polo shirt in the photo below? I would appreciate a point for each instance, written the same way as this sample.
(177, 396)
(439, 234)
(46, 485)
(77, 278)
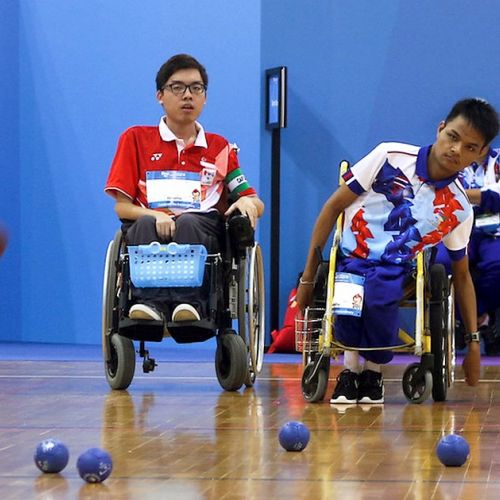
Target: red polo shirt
(147, 148)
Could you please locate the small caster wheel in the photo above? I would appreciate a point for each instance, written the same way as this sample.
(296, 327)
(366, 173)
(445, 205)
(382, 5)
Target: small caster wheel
(417, 383)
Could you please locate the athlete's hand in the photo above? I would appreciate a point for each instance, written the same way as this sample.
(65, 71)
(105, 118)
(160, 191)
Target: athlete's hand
(304, 296)
(165, 226)
(472, 364)
(247, 207)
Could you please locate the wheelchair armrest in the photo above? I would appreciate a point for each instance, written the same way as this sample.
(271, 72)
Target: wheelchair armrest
(241, 233)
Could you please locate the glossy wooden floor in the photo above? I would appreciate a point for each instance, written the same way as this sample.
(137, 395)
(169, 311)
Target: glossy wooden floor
(175, 434)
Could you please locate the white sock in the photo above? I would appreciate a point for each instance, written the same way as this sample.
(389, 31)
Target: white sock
(374, 367)
(351, 361)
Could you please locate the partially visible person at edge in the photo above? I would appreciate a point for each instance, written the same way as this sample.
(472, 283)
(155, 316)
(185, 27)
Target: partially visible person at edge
(481, 180)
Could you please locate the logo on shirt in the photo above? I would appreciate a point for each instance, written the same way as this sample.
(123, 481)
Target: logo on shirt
(156, 156)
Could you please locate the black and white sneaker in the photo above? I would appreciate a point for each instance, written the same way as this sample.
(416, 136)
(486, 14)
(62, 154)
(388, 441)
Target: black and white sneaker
(346, 390)
(371, 387)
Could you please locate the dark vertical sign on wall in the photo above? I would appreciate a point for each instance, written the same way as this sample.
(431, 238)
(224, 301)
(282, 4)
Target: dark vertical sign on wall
(276, 85)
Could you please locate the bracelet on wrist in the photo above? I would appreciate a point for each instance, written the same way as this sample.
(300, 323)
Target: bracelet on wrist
(472, 337)
(305, 282)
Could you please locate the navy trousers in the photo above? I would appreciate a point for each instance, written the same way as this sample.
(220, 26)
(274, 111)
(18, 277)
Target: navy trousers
(378, 325)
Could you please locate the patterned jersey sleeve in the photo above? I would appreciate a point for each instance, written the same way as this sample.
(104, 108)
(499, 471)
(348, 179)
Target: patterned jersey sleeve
(456, 242)
(360, 177)
(235, 180)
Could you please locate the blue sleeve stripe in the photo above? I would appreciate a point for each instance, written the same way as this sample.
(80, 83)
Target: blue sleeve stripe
(355, 187)
(456, 254)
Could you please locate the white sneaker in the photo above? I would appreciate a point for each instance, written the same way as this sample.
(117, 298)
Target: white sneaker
(185, 312)
(143, 311)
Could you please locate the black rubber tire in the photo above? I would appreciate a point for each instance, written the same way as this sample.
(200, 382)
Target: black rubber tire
(231, 361)
(315, 389)
(416, 391)
(438, 319)
(120, 368)
(109, 299)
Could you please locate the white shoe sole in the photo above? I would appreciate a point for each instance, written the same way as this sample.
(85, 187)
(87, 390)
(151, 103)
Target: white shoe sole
(185, 312)
(367, 400)
(342, 400)
(142, 311)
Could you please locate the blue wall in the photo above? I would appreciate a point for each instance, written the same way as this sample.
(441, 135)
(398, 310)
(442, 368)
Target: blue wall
(10, 263)
(82, 71)
(87, 72)
(361, 73)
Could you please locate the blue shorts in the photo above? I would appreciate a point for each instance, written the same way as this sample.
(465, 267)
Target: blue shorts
(378, 325)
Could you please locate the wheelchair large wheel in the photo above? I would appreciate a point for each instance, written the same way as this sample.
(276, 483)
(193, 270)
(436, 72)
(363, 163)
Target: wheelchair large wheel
(417, 383)
(109, 292)
(251, 309)
(440, 332)
(120, 367)
(118, 352)
(315, 380)
(231, 361)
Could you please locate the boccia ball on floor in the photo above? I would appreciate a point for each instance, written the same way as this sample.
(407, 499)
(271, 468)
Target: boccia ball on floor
(51, 455)
(452, 450)
(94, 465)
(294, 436)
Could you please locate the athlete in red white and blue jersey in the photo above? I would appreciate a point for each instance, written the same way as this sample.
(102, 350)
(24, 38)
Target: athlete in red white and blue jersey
(398, 200)
(400, 210)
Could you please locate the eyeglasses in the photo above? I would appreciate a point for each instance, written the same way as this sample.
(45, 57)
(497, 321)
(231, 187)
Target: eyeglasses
(179, 88)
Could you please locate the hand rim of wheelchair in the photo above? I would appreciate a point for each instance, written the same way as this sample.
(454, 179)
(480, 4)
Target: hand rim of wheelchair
(251, 309)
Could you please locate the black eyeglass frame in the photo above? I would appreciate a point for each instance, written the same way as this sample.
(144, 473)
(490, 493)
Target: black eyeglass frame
(186, 86)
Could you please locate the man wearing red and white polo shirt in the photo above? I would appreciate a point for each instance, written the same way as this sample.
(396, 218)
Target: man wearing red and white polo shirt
(172, 183)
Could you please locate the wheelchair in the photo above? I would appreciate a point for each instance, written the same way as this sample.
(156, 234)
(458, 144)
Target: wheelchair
(428, 291)
(235, 280)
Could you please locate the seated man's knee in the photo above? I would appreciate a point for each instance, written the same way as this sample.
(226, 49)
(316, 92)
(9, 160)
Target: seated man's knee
(142, 231)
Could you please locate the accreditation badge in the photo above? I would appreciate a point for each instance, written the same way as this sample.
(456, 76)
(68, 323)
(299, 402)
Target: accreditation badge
(348, 294)
(173, 189)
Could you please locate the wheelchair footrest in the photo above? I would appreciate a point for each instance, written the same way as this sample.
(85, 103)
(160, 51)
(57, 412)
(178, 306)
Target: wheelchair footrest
(152, 331)
(187, 332)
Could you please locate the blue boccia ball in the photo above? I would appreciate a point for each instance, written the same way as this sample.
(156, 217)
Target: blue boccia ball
(94, 465)
(294, 436)
(51, 455)
(452, 450)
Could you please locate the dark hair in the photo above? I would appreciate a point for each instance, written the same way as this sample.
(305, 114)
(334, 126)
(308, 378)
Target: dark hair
(480, 114)
(176, 63)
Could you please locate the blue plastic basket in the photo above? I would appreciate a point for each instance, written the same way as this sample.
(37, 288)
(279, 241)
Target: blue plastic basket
(160, 266)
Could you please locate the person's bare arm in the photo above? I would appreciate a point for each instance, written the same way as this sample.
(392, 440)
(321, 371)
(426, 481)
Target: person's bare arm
(338, 201)
(251, 206)
(474, 196)
(125, 209)
(466, 298)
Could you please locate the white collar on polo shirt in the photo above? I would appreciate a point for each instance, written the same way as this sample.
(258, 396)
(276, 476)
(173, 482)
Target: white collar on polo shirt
(167, 135)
